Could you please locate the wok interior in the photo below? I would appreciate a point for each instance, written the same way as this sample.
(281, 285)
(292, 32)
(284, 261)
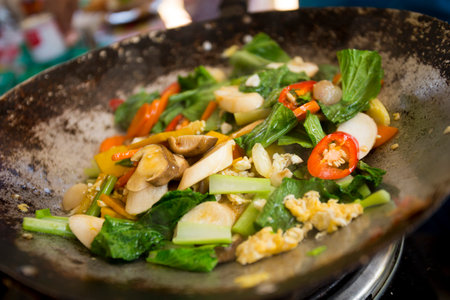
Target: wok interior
(52, 125)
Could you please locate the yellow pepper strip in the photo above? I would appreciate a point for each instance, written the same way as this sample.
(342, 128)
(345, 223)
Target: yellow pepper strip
(107, 165)
(116, 205)
(195, 127)
(246, 129)
(220, 137)
(106, 211)
(89, 195)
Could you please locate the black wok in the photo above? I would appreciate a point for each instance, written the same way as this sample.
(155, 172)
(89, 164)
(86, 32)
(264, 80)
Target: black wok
(51, 125)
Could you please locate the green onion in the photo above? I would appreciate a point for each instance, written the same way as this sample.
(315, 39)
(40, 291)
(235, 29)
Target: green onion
(317, 251)
(107, 187)
(377, 198)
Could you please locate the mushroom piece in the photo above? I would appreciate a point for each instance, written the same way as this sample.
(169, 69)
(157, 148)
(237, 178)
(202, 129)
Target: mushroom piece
(157, 164)
(191, 145)
(182, 165)
(137, 183)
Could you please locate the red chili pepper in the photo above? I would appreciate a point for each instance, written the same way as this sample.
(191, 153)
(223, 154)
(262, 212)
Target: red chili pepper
(115, 103)
(173, 124)
(334, 157)
(301, 88)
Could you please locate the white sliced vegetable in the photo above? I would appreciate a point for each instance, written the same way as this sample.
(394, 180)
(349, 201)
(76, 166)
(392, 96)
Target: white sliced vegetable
(230, 99)
(364, 129)
(210, 212)
(297, 65)
(217, 159)
(74, 195)
(85, 228)
(261, 160)
(138, 202)
(217, 73)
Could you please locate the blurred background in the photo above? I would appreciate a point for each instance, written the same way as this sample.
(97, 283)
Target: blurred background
(37, 34)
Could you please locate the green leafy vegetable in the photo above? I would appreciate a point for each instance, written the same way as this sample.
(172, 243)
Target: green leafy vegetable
(296, 136)
(271, 79)
(164, 215)
(313, 128)
(280, 121)
(261, 51)
(326, 72)
(124, 239)
(361, 81)
(197, 259)
(126, 162)
(372, 174)
(199, 77)
(126, 111)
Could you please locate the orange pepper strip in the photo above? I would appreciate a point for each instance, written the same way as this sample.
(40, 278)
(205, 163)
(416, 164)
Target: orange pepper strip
(116, 205)
(336, 78)
(173, 124)
(184, 122)
(122, 181)
(246, 129)
(140, 119)
(153, 118)
(209, 110)
(385, 133)
(312, 106)
(172, 89)
(122, 155)
(106, 211)
(110, 142)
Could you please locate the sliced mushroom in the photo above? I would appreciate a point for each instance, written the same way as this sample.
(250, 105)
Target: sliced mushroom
(182, 165)
(138, 202)
(157, 164)
(137, 183)
(191, 145)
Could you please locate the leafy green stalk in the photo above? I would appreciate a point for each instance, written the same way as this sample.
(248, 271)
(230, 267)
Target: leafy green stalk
(296, 136)
(280, 121)
(47, 225)
(378, 198)
(226, 184)
(313, 128)
(107, 187)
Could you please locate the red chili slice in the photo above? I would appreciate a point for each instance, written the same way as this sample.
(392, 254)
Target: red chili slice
(327, 161)
(301, 88)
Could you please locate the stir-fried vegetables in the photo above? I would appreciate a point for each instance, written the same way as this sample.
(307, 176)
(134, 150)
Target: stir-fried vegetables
(202, 164)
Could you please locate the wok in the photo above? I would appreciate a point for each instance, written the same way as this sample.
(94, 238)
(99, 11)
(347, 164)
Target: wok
(51, 125)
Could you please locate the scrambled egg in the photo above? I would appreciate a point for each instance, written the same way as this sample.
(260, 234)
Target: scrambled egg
(240, 167)
(323, 216)
(239, 199)
(266, 243)
(279, 167)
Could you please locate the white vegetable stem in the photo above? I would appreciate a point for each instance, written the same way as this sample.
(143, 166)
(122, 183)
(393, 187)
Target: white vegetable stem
(364, 129)
(220, 157)
(230, 99)
(85, 228)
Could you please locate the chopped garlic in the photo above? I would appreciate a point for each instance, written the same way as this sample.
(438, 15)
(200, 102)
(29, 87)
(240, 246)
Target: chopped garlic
(259, 204)
(396, 116)
(238, 199)
(242, 164)
(394, 146)
(253, 81)
(447, 130)
(266, 243)
(225, 127)
(282, 161)
(23, 207)
(323, 216)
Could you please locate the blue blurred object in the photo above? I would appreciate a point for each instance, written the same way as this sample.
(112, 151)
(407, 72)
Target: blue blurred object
(436, 8)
